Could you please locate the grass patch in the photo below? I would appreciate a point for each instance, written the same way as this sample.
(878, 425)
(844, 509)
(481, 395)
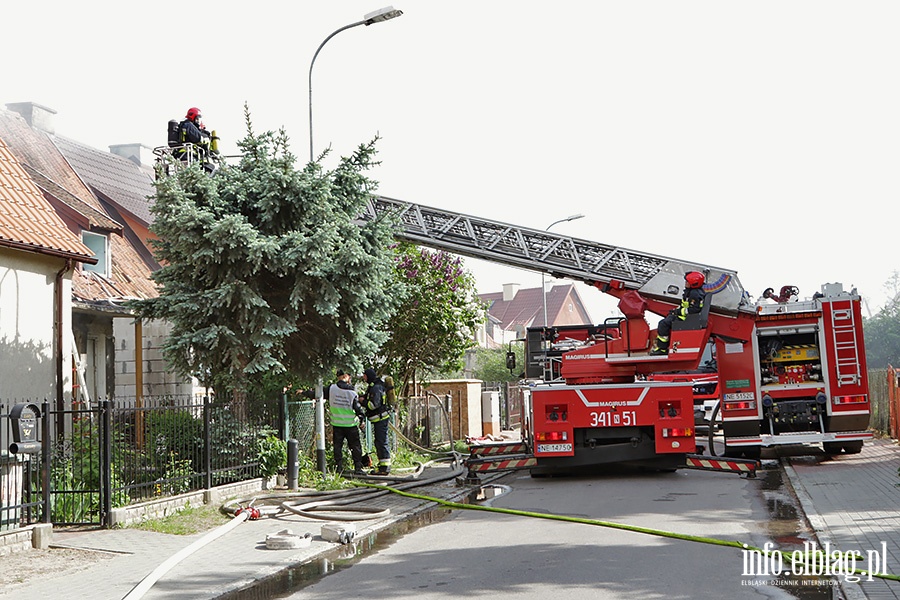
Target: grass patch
(187, 521)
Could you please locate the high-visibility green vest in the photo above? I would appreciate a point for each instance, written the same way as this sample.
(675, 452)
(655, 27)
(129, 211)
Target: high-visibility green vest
(341, 401)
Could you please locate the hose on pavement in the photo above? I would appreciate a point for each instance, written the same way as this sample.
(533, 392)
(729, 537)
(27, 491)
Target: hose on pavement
(811, 560)
(341, 505)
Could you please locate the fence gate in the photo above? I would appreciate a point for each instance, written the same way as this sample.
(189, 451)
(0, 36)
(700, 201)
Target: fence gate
(80, 459)
(300, 422)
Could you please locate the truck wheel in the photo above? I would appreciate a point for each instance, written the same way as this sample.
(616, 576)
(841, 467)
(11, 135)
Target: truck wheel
(853, 447)
(753, 452)
(832, 448)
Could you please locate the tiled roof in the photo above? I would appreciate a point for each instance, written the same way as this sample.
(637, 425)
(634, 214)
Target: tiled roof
(26, 219)
(35, 149)
(129, 275)
(94, 217)
(526, 309)
(115, 177)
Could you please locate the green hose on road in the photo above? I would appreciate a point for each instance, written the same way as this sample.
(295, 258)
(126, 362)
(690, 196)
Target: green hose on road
(816, 556)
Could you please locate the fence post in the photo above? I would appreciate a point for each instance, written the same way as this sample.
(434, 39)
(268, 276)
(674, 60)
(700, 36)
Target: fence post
(293, 464)
(284, 417)
(207, 442)
(45, 461)
(106, 462)
(320, 427)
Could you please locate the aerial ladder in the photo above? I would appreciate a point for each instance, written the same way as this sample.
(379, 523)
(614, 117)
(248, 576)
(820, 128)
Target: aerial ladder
(598, 371)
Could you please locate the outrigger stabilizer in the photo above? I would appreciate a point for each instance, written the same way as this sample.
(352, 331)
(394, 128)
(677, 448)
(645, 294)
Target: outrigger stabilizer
(512, 456)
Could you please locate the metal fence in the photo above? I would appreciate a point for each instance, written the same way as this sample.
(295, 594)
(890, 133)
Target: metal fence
(175, 444)
(21, 475)
(115, 453)
(299, 423)
(425, 420)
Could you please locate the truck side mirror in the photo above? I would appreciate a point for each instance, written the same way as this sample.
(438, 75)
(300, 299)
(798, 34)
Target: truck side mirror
(511, 361)
(24, 418)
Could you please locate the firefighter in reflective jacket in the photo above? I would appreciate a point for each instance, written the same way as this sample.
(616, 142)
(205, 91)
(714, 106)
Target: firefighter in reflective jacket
(379, 414)
(344, 406)
(691, 303)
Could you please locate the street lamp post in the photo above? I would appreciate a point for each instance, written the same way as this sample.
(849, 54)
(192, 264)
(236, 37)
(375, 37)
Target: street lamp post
(382, 14)
(543, 285)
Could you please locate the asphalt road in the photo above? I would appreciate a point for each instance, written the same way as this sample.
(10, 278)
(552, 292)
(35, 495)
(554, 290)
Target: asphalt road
(473, 553)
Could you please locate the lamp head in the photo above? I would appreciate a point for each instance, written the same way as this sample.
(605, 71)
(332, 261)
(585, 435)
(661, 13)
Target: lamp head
(382, 14)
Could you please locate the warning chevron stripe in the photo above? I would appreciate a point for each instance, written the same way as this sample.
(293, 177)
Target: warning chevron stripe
(488, 450)
(519, 463)
(713, 464)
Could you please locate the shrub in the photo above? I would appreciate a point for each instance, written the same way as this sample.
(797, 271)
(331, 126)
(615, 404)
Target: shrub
(271, 454)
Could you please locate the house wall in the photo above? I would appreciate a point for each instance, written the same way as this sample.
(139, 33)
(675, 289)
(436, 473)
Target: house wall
(571, 312)
(158, 380)
(27, 363)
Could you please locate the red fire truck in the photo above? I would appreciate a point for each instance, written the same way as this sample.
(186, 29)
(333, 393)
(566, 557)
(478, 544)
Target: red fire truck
(788, 372)
(705, 381)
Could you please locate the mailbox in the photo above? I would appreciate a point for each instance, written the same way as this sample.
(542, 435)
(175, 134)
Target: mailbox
(24, 418)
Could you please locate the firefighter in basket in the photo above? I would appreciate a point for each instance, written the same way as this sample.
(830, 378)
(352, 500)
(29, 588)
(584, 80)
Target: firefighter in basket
(191, 142)
(692, 300)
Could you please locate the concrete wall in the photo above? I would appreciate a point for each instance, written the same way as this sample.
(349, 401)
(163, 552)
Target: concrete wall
(164, 507)
(25, 538)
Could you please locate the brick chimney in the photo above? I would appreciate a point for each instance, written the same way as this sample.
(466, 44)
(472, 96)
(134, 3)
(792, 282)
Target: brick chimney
(36, 115)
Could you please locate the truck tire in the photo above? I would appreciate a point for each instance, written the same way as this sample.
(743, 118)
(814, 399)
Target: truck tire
(832, 448)
(751, 452)
(853, 447)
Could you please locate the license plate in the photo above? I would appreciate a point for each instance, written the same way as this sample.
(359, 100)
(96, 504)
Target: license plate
(554, 448)
(740, 396)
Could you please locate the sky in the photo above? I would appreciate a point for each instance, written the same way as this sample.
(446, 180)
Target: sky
(761, 136)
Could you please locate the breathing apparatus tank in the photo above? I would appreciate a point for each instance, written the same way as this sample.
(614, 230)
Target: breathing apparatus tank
(173, 133)
(390, 392)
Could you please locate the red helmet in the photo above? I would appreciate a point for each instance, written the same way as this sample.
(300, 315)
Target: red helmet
(193, 114)
(694, 279)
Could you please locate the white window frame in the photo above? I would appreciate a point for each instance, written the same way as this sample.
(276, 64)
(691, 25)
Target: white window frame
(93, 241)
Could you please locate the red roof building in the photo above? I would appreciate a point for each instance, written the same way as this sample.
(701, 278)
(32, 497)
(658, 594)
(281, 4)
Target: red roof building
(513, 310)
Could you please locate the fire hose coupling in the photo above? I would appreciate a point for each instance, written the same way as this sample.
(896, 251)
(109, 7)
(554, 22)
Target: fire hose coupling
(286, 539)
(343, 533)
(252, 510)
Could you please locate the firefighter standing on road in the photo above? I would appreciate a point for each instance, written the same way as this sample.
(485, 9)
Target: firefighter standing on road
(692, 300)
(378, 411)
